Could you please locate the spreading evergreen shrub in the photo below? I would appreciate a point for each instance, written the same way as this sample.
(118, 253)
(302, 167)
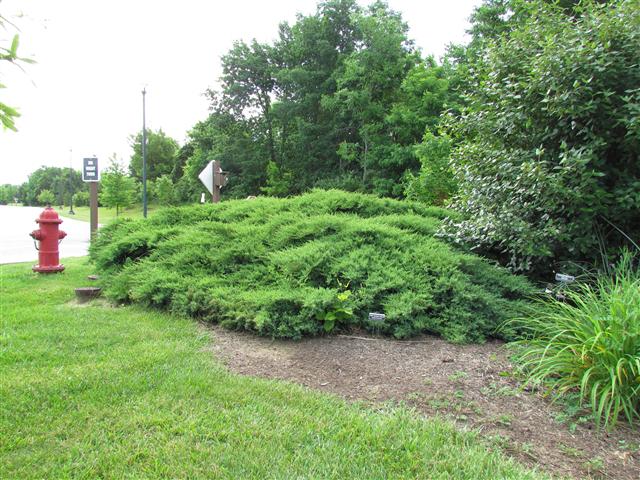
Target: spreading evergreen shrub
(283, 267)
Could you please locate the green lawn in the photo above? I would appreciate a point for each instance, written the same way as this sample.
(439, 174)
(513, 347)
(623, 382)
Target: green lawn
(105, 215)
(103, 392)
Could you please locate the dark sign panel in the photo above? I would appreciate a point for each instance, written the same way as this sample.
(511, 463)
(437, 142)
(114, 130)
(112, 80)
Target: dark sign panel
(90, 170)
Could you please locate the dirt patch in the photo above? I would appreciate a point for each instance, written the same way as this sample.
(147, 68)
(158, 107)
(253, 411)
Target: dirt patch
(471, 384)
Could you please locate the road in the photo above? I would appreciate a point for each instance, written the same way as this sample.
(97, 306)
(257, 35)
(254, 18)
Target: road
(17, 246)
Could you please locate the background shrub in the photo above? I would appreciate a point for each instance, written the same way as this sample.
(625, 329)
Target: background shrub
(81, 199)
(46, 197)
(546, 147)
(279, 267)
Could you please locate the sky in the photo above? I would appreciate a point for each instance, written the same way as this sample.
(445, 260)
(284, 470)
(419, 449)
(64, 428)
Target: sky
(83, 96)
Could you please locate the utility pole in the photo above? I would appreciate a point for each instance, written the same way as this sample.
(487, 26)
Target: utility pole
(144, 156)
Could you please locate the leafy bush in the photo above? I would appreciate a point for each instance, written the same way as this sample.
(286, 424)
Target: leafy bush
(590, 344)
(165, 190)
(548, 143)
(46, 197)
(435, 183)
(279, 181)
(283, 267)
(81, 199)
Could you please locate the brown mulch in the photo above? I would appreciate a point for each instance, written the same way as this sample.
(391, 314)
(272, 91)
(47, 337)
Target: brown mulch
(471, 384)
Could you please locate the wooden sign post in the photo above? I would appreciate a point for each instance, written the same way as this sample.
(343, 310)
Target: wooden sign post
(214, 179)
(215, 191)
(93, 206)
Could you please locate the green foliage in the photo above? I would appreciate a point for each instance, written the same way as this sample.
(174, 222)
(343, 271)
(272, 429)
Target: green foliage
(117, 189)
(9, 53)
(81, 199)
(589, 343)
(62, 182)
(435, 183)
(8, 193)
(231, 141)
(369, 84)
(46, 197)
(347, 182)
(162, 155)
(279, 267)
(547, 144)
(152, 191)
(339, 99)
(279, 182)
(165, 190)
(339, 312)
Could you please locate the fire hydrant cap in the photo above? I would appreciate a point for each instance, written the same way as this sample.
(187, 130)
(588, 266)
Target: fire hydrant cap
(49, 215)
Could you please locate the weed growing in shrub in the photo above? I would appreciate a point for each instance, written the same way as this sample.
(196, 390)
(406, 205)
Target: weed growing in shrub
(338, 312)
(279, 267)
(589, 344)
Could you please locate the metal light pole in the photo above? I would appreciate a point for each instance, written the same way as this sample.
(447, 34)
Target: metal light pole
(144, 156)
(71, 212)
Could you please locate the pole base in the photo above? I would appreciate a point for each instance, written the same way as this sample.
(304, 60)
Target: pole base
(48, 269)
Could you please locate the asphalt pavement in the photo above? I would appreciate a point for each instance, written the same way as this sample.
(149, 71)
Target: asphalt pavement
(16, 223)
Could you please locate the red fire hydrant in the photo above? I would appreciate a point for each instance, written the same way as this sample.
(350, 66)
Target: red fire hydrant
(49, 235)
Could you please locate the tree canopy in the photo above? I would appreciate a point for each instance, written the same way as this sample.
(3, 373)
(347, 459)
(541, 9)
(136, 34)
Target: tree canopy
(162, 152)
(338, 100)
(62, 183)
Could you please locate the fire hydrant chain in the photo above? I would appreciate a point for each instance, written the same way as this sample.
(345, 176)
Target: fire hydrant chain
(49, 235)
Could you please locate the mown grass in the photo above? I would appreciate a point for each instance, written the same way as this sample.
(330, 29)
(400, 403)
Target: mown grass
(106, 215)
(103, 392)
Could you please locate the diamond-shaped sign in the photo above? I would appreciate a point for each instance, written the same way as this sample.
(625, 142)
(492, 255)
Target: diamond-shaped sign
(214, 179)
(206, 176)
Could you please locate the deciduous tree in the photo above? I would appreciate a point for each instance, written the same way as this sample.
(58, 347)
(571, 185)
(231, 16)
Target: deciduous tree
(162, 152)
(117, 190)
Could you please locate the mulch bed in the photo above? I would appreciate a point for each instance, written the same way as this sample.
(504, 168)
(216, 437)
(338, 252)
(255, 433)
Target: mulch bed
(471, 384)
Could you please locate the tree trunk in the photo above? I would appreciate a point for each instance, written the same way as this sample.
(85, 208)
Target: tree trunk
(364, 161)
(266, 111)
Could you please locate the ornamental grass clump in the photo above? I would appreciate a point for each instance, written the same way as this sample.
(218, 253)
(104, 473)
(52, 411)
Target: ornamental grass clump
(589, 343)
(308, 265)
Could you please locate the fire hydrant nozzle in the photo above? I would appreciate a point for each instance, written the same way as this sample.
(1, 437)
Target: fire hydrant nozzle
(36, 235)
(49, 235)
